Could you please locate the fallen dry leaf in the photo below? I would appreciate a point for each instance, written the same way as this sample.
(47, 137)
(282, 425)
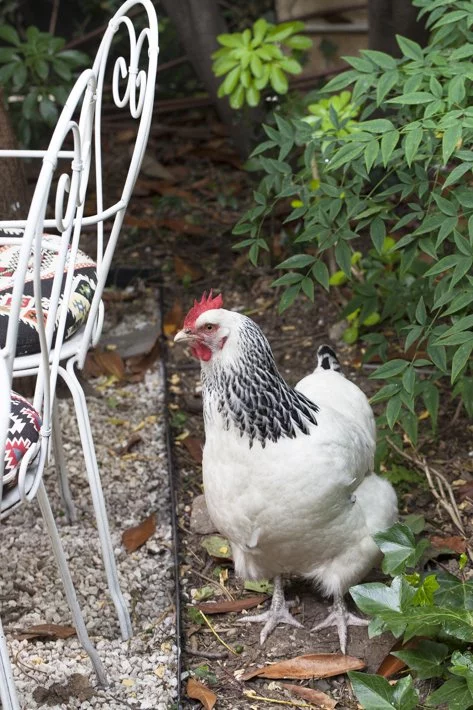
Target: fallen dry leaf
(58, 694)
(185, 269)
(112, 295)
(466, 490)
(152, 168)
(104, 362)
(173, 320)
(312, 665)
(225, 607)
(391, 665)
(133, 538)
(317, 697)
(132, 441)
(218, 547)
(219, 156)
(140, 222)
(199, 691)
(194, 447)
(164, 188)
(139, 364)
(454, 542)
(182, 226)
(125, 136)
(48, 631)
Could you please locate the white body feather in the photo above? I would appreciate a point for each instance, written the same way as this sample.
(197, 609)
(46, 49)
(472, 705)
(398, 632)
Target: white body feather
(306, 505)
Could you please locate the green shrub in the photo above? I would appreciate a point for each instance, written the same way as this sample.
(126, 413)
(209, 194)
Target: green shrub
(254, 59)
(36, 75)
(434, 610)
(386, 172)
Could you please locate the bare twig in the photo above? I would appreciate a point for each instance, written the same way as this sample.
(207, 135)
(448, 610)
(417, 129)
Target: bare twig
(328, 12)
(440, 488)
(207, 654)
(97, 32)
(228, 594)
(219, 638)
(53, 19)
(457, 412)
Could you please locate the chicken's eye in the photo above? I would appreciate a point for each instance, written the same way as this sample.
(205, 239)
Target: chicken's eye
(209, 326)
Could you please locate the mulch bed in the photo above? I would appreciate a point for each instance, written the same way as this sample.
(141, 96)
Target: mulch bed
(180, 225)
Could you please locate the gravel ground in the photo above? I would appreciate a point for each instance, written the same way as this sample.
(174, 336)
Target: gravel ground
(142, 672)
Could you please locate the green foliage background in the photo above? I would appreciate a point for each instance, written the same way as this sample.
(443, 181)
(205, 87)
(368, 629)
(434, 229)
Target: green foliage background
(387, 176)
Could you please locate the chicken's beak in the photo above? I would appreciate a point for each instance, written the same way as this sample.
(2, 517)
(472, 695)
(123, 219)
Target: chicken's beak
(182, 336)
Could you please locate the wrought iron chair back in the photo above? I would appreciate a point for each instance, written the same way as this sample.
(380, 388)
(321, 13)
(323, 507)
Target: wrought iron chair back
(132, 86)
(25, 253)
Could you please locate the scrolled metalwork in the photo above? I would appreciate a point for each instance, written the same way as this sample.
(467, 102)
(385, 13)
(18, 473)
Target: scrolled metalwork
(135, 77)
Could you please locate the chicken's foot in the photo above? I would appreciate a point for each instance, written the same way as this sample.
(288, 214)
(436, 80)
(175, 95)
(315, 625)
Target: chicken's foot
(278, 613)
(341, 618)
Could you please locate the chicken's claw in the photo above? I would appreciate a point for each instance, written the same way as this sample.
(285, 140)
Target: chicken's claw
(278, 613)
(341, 618)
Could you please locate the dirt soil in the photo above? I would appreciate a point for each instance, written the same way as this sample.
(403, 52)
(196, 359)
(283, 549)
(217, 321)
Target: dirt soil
(193, 191)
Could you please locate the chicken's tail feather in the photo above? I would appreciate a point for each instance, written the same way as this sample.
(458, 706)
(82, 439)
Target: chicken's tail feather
(327, 359)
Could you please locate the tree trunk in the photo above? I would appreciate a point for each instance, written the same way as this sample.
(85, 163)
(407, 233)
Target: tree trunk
(198, 22)
(13, 195)
(388, 18)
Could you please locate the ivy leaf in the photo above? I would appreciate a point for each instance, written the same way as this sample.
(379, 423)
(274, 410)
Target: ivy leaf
(455, 694)
(374, 598)
(425, 659)
(399, 548)
(454, 593)
(375, 693)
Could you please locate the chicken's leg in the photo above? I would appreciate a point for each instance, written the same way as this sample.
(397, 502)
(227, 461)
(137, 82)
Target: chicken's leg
(278, 613)
(341, 618)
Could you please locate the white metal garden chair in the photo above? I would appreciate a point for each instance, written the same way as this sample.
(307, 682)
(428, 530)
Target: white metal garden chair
(133, 86)
(29, 309)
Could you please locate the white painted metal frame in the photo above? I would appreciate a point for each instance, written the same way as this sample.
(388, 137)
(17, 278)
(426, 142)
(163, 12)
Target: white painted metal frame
(29, 483)
(133, 87)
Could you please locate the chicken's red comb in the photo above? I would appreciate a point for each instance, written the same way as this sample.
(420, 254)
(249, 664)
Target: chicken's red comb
(206, 303)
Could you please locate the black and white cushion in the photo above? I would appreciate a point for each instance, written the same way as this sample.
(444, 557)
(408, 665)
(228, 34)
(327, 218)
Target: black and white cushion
(83, 289)
(23, 433)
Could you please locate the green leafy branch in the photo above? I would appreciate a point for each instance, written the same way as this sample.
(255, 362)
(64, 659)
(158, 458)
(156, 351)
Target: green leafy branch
(38, 71)
(437, 607)
(254, 59)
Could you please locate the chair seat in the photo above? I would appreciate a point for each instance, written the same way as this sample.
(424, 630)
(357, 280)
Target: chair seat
(83, 289)
(23, 433)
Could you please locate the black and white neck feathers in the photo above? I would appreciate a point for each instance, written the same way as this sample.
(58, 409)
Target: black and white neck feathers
(248, 393)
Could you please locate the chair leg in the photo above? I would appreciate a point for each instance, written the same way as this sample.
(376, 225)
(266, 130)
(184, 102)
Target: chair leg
(8, 696)
(61, 468)
(61, 562)
(93, 476)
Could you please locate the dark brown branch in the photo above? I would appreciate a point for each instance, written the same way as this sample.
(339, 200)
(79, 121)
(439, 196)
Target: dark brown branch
(328, 12)
(53, 19)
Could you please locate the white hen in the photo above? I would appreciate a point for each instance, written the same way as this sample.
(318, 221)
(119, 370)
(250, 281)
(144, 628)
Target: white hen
(287, 472)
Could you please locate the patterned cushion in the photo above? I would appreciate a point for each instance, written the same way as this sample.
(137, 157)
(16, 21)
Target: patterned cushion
(84, 283)
(23, 432)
